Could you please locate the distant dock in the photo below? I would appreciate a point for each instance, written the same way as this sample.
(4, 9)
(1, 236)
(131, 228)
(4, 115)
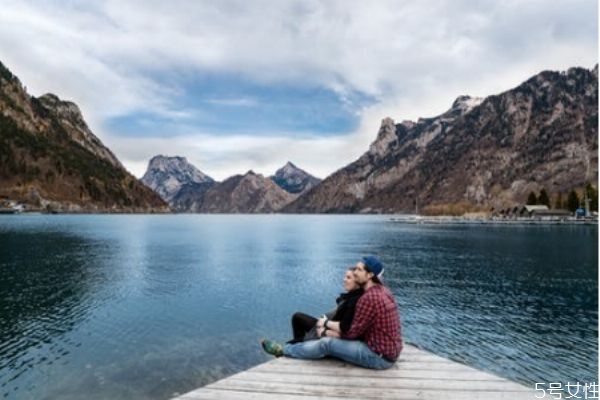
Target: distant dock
(417, 375)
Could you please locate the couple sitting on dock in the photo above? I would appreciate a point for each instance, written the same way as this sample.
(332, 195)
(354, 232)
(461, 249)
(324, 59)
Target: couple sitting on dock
(363, 330)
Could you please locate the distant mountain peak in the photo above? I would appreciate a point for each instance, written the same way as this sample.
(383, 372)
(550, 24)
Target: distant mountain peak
(466, 103)
(289, 169)
(248, 193)
(385, 137)
(408, 124)
(289, 166)
(166, 175)
(293, 179)
(164, 162)
(176, 165)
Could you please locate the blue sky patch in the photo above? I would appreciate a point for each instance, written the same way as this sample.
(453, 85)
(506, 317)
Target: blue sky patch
(224, 104)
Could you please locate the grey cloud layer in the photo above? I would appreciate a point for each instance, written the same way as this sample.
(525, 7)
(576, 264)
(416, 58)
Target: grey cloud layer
(413, 57)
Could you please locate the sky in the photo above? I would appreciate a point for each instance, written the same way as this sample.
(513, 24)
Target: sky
(236, 85)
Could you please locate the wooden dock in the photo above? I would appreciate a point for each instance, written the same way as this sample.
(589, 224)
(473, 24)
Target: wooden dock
(417, 375)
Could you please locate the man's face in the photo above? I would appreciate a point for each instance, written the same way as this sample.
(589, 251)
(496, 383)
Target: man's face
(361, 275)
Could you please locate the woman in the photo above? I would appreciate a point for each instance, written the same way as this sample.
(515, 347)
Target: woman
(306, 327)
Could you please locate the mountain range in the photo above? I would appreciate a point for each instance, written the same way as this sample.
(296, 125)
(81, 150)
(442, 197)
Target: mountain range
(481, 154)
(187, 189)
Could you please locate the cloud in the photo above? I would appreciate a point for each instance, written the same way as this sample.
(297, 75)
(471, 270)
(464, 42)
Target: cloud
(239, 102)
(119, 59)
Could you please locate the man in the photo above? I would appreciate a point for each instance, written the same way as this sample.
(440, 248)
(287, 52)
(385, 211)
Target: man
(374, 339)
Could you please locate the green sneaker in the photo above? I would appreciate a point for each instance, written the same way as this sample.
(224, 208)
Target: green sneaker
(272, 347)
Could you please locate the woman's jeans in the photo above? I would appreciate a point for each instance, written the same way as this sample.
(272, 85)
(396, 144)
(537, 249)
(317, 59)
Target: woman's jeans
(352, 351)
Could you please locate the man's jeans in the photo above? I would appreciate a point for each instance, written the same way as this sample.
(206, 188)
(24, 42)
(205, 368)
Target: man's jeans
(352, 351)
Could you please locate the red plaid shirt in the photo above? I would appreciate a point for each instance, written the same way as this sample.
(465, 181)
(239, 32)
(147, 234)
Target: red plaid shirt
(377, 322)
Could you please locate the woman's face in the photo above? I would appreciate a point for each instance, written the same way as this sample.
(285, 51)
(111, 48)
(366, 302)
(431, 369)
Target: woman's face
(349, 281)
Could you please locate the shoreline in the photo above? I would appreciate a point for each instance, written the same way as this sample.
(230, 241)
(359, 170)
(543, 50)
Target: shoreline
(410, 219)
(447, 220)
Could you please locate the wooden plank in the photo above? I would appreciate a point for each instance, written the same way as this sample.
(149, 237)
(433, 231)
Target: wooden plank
(317, 367)
(311, 393)
(249, 380)
(338, 368)
(420, 357)
(458, 374)
(400, 369)
(215, 394)
(333, 363)
(365, 388)
(331, 378)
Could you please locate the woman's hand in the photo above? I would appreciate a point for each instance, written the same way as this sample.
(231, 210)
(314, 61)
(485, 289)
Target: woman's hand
(321, 321)
(320, 331)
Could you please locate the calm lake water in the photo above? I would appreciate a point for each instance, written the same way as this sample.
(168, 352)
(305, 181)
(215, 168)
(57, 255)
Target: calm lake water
(143, 307)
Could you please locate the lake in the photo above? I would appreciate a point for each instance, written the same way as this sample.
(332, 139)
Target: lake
(147, 306)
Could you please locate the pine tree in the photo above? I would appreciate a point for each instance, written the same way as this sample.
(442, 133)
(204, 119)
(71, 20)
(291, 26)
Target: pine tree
(573, 201)
(558, 204)
(531, 199)
(543, 198)
(592, 195)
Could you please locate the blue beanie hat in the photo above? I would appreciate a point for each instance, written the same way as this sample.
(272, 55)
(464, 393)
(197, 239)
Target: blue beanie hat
(373, 265)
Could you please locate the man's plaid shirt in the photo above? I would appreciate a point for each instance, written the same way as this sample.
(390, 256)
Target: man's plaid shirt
(377, 322)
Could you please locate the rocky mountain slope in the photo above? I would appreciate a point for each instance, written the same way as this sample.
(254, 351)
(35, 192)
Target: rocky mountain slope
(50, 160)
(190, 196)
(248, 193)
(167, 175)
(481, 153)
(293, 179)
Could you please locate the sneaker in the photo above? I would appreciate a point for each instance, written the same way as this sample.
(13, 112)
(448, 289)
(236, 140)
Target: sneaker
(272, 347)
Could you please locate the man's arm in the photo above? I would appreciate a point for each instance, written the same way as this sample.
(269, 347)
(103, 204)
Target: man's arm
(322, 332)
(333, 326)
(363, 318)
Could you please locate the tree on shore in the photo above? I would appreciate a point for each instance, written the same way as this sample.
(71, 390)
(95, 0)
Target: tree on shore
(543, 198)
(592, 195)
(573, 201)
(558, 203)
(531, 199)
